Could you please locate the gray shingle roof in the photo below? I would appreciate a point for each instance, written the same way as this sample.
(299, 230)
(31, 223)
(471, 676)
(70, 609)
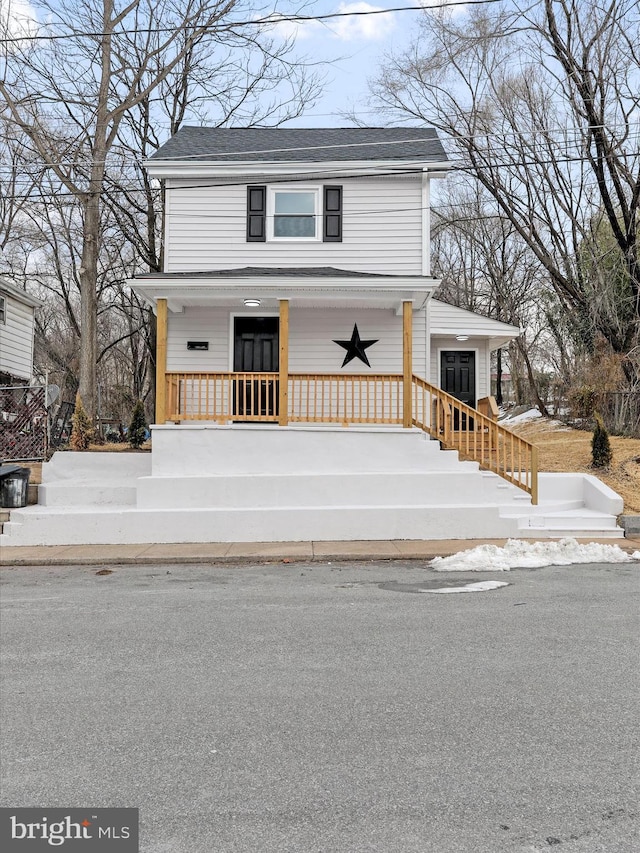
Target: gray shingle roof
(271, 272)
(302, 145)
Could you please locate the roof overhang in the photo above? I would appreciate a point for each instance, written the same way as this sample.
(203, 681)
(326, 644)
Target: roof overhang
(183, 168)
(311, 291)
(467, 337)
(19, 294)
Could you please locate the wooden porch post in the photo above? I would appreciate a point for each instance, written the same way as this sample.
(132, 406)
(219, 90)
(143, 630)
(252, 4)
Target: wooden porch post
(283, 395)
(407, 366)
(161, 361)
(534, 475)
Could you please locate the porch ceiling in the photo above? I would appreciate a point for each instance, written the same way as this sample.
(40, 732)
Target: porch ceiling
(472, 337)
(343, 291)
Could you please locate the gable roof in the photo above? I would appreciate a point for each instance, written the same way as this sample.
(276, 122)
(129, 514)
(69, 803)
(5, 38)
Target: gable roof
(302, 145)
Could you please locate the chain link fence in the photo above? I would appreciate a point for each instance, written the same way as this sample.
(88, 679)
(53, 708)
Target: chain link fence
(24, 423)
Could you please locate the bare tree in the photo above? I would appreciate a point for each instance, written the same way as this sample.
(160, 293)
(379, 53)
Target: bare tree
(486, 267)
(540, 107)
(72, 89)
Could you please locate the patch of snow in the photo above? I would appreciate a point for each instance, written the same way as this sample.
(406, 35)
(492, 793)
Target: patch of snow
(482, 586)
(529, 415)
(531, 555)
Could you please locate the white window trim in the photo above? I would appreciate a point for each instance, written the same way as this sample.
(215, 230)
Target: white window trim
(271, 194)
(3, 310)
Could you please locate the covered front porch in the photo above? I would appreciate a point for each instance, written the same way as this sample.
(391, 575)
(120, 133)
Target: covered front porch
(284, 397)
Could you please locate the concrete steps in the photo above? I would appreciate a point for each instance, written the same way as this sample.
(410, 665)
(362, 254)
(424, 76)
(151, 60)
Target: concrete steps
(271, 484)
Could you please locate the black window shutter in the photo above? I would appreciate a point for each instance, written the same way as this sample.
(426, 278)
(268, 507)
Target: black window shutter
(256, 214)
(332, 231)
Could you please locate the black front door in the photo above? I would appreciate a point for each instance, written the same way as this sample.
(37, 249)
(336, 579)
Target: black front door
(255, 350)
(458, 378)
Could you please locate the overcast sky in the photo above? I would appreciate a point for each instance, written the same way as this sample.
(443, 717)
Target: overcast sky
(348, 50)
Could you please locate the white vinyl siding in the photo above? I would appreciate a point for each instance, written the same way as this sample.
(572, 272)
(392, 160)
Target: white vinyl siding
(382, 229)
(313, 331)
(16, 339)
(311, 335)
(198, 324)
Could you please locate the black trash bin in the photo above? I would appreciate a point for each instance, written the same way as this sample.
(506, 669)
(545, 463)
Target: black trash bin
(14, 488)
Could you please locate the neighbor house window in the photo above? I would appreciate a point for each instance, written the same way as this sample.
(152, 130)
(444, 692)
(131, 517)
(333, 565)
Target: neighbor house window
(291, 213)
(3, 310)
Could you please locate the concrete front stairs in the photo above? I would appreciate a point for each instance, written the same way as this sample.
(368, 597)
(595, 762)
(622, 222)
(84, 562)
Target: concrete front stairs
(263, 483)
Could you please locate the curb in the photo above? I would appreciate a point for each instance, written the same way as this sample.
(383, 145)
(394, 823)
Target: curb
(257, 558)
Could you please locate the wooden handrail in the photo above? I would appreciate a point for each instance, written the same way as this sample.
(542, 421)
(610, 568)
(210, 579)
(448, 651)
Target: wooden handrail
(475, 435)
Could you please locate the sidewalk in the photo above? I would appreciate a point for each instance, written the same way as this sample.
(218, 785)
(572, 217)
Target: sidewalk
(244, 552)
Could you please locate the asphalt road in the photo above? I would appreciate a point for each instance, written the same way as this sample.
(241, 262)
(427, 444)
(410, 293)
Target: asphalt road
(330, 708)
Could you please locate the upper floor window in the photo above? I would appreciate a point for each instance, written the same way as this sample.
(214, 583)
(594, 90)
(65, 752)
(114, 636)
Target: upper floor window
(294, 213)
(3, 310)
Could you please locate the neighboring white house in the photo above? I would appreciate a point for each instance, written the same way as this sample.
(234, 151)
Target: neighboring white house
(304, 367)
(17, 320)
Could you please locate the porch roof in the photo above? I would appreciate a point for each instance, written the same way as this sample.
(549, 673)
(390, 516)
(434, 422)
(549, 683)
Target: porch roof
(302, 286)
(451, 321)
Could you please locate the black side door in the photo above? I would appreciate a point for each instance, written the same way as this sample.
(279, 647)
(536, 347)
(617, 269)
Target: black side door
(458, 378)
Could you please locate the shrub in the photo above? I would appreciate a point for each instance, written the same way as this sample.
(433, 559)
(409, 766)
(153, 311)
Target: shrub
(583, 401)
(600, 444)
(137, 432)
(82, 432)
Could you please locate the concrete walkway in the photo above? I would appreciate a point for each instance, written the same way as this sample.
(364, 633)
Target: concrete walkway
(239, 552)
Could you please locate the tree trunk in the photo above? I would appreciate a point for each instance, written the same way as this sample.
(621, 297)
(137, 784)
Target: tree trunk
(533, 385)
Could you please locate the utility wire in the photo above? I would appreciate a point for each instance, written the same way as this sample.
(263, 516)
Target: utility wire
(122, 160)
(258, 22)
(317, 174)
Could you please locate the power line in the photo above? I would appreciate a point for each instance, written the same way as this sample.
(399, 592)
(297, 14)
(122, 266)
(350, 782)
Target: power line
(312, 175)
(122, 160)
(269, 19)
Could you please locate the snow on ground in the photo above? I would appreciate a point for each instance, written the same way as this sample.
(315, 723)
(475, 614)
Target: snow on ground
(529, 415)
(482, 586)
(531, 555)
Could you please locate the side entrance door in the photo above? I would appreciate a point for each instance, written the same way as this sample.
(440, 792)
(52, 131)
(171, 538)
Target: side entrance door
(458, 378)
(256, 349)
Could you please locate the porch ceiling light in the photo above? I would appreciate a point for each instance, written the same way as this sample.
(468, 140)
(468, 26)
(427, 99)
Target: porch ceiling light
(462, 337)
(252, 303)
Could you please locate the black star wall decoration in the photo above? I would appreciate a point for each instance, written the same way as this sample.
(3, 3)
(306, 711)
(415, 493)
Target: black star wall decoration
(355, 347)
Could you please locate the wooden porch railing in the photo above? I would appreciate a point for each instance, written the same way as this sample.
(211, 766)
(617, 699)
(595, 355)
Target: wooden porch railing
(476, 435)
(222, 397)
(345, 398)
(357, 399)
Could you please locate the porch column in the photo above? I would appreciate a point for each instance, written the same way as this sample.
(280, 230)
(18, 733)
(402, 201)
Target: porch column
(161, 361)
(407, 365)
(283, 394)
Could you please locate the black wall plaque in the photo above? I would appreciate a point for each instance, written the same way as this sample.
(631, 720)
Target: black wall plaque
(202, 345)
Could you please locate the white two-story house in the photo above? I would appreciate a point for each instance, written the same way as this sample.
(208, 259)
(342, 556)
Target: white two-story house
(304, 253)
(309, 386)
